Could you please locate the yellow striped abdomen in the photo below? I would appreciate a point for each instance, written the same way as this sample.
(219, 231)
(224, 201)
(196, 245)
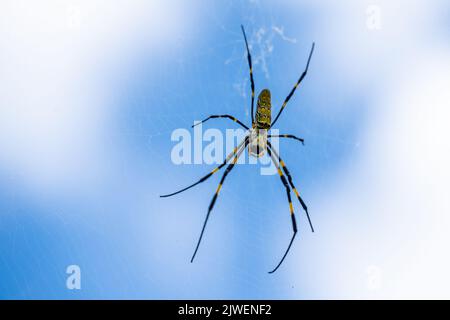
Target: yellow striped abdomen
(263, 111)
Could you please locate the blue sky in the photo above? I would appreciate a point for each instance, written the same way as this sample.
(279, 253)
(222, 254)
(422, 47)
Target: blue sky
(94, 89)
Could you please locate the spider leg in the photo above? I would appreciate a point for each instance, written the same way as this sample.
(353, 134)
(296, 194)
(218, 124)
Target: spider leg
(213, 200)
(291, 208)
(286, 136)
(222, 116)
(204, 178)
(295, 86)
(288, 174)
(249, 58)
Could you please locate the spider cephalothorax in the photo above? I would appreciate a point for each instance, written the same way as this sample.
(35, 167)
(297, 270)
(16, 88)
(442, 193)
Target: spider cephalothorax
(256, 141)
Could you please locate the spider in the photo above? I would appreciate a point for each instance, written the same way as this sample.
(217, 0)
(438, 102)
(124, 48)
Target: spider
(256, 140)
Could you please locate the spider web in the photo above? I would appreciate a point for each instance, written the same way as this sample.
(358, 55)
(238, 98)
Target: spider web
(250, 226)
(128, 242)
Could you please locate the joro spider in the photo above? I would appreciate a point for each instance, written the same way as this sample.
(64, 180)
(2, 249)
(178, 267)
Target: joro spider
(257, 143)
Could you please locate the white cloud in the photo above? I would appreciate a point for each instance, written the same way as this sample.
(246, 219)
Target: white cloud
(389, 210)
(53, 95)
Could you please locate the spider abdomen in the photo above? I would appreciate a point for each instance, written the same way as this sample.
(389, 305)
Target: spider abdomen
(263, 110)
